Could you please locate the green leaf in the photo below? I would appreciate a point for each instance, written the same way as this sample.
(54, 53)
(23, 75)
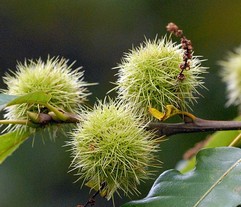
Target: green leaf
(35, 97)
(9, 142)
(217, 139)
(4, 99)
(216, 181)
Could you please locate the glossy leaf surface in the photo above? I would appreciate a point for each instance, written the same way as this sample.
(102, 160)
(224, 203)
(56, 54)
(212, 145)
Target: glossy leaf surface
(214, 182)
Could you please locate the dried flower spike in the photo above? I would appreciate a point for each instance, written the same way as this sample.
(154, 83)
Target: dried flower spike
(147, 77)
(186, 46)
(111, 145)
(54, 77)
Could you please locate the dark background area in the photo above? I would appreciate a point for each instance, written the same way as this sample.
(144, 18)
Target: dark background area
(96, 34)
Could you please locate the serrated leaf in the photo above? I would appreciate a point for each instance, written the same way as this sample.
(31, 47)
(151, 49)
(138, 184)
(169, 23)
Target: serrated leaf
(5, 99)
(216, 181)
(9, 142)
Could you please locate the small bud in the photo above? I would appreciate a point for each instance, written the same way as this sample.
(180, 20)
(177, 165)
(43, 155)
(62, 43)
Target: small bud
(184, 41)
(184, 46)
(185, 56)
(179, 33)
(189, 47)
(171, 27)
(188, 65)
(189, 42)
(181, 77)
(189, 56)
(39, 118)
(182, 66)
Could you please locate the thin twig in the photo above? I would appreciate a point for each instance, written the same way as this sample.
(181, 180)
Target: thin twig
(197, 125)
(91, 200)
(188, 126)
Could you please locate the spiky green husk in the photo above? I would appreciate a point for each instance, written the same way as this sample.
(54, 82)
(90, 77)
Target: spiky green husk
(54, 77)
(231, 75)
(112, 146)
(147, 76)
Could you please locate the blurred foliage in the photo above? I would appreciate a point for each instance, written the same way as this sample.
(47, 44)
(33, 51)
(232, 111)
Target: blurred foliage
(96, 34)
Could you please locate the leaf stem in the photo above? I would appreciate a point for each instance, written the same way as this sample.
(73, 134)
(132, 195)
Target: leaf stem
(91, 200)
(21, 122)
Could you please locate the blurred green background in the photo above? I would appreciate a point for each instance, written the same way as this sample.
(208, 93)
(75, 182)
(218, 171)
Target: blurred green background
(96, 33)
